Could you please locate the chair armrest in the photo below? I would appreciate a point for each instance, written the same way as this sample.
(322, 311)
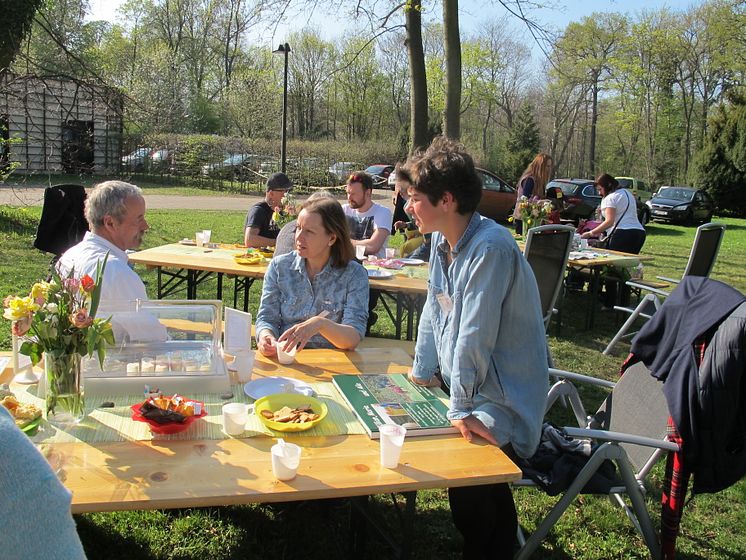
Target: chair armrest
(582, 378)
(620, 437)
(642, 286)
(666, 279)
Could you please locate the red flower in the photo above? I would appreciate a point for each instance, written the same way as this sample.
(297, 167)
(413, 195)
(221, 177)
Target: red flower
(87, 284)
(80, 319)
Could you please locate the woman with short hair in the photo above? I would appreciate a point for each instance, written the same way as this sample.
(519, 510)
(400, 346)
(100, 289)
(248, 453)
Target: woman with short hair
(316, 295)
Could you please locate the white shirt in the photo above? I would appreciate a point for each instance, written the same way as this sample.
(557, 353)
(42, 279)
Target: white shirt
(624, 202)
(375, 218)
(121, 283)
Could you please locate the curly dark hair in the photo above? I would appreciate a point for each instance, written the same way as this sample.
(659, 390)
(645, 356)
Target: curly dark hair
(445, 166)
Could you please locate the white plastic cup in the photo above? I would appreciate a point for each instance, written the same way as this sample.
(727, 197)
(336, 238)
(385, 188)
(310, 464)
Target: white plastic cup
(206, 234)
(285, 358)
(583, 244)
(285, 460)
(235, 416)
(199, 237)
(359, 252)
(392, 440)
(390, 252)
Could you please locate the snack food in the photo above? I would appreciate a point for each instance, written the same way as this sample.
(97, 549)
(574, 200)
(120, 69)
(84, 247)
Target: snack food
(23, 413)
(297, 415)
(165, 410)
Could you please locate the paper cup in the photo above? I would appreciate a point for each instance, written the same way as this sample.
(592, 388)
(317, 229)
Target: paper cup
(285, 358)
(392, 440)
(360, 252)
(390, 252)
(285, 460)
(206, 235)
(199, 237)
(235, 416)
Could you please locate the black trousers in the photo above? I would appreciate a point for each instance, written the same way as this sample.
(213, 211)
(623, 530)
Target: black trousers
(486, 518)
(626, 241)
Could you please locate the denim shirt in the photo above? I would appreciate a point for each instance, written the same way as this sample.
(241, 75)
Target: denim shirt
(290, 297)
(482, 328)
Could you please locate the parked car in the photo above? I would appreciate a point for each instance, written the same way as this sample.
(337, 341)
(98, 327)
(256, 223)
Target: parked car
(580, 198)
(380, 173)
(137, 160)
(685, 205)
(642, 191)
(498, 197)
(160, 159)
(339, 171)
(235, 166)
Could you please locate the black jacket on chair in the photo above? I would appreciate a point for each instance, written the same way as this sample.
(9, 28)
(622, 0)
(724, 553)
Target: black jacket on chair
(707, 402)
(62, 222)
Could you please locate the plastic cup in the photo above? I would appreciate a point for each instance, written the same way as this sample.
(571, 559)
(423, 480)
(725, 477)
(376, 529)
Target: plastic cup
(583, 244)
(390, 252)
(285, 358)
(392, 440)
(235, 416)
(359, 252)
(199, 237)
(206, 234)
(285, 460)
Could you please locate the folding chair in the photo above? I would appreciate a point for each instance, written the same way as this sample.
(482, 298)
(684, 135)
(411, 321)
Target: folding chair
(632, 434)
(547, 249)
(62, 223)
(701, 260)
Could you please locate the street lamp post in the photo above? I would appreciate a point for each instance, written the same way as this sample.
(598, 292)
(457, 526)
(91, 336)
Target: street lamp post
(284, 49)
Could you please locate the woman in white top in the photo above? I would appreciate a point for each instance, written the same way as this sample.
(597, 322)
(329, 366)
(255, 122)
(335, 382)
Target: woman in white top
(624, 230)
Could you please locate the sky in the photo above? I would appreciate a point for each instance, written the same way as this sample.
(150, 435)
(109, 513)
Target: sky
(472, 13)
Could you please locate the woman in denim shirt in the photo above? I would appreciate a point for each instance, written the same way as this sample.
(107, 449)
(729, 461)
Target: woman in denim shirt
(481, 332)
(317, 295)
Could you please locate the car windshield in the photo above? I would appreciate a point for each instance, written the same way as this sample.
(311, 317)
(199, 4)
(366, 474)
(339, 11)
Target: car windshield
(625, 183)
(674, 193)
(375, 169)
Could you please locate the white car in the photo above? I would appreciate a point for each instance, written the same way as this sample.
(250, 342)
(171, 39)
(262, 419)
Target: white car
(340, 170)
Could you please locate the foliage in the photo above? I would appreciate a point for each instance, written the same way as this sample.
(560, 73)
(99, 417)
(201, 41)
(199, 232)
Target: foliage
(721, 165)
(523, 141)
(18, 16)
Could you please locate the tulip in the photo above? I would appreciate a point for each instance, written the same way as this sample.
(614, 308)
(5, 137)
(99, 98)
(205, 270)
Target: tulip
(87, 284)
(21, 326)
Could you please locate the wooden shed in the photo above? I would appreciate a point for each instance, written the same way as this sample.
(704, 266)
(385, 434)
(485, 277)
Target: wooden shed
(61, 125)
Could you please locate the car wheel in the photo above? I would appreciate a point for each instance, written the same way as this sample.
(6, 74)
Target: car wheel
(708, 219)
(689, 218)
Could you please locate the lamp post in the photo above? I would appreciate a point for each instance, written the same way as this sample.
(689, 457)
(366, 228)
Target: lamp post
(284, 49)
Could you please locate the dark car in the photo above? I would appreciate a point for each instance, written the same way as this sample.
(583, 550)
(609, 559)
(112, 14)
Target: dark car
(498, 197)
(380, 173)
(580, 198)
(684, 205)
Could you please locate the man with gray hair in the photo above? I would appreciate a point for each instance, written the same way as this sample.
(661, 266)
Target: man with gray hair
(115, 211)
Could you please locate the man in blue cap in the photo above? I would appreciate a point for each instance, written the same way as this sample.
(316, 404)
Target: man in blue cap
(260, 230)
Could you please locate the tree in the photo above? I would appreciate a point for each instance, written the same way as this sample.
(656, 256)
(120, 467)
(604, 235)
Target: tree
(417, 76)
(721, 166)
(452, 42)
(18, 15)
(523, 140)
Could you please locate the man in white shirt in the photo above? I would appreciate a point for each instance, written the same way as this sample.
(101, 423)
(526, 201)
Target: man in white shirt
(115, 211)
(373, 221)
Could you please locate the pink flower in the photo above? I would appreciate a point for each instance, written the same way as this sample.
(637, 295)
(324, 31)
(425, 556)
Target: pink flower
(80, 319)
(72, 285)
(21, 326)
(87, 284)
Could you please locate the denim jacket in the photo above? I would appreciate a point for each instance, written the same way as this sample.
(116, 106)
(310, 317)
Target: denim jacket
(289, 296)
(482, 328)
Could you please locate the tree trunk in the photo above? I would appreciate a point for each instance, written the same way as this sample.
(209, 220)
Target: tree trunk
(594, 119)
(417, 78)
(452, 116)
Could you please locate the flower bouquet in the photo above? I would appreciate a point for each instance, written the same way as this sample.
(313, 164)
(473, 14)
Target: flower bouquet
(287, 212)
(58, 320)
(533, 211)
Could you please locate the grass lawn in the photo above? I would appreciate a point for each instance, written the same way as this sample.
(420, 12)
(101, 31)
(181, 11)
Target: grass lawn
(591, 528)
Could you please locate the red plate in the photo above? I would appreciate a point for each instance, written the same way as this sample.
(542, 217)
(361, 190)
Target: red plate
(172, 428)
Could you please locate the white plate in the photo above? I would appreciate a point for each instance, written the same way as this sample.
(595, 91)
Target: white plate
(377, 273)
(270, 385)
(411, 262)
(186, 241)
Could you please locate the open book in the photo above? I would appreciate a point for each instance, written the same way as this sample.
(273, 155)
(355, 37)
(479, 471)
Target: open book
(393, 399)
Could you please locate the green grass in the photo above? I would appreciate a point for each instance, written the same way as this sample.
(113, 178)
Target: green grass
(591, 528)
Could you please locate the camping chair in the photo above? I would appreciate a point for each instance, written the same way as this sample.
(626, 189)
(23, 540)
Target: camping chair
(547, 249)
(701, 260)
(632, 434)
(62, 223)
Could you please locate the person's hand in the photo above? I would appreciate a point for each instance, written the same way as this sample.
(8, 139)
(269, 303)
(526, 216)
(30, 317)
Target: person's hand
(586, 235)
(266, 343)
(298, 335)
(432, 382)
(471, 426)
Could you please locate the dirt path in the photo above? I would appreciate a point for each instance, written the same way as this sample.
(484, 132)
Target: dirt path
(34, 196)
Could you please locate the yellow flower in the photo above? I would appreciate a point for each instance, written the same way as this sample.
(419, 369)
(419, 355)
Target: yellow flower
(17, 308)
(39, 292)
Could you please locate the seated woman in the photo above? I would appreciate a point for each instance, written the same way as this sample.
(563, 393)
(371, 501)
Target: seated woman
(317, 295)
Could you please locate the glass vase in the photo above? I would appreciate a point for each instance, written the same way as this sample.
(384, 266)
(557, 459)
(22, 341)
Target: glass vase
(65, 402)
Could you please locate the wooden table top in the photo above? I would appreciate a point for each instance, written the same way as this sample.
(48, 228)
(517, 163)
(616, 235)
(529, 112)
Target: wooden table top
(176, 474)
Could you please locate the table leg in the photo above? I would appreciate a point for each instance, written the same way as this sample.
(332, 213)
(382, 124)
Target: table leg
(220, 286)
(593, 286)
(362, 518)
